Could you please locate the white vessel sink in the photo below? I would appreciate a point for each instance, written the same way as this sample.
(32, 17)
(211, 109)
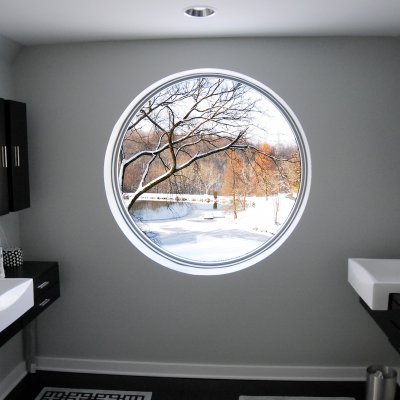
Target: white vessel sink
(16, 297)
(374, 280)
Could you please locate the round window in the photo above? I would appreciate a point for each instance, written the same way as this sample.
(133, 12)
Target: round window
(207, 171)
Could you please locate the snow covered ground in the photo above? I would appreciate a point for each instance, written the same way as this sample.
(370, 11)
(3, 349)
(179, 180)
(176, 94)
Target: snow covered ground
(195, 230)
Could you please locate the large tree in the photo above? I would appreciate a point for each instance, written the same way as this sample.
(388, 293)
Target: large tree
(174, 131)
(267, 174)
(233, 185)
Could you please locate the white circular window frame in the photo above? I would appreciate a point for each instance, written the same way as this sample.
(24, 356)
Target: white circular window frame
(165, 258)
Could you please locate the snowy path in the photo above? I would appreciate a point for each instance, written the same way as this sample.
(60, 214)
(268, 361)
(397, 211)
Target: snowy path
(196, 238)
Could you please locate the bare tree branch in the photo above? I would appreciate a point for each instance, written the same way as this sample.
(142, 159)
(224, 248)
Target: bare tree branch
(184, 124)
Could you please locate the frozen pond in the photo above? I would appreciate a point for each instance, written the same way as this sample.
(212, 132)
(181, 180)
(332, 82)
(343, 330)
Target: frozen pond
(198, 231)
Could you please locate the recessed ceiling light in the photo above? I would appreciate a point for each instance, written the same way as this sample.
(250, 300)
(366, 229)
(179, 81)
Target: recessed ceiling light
(199, 11)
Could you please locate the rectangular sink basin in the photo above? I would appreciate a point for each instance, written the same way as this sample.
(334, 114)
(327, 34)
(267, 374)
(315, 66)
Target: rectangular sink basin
(16, 297)
(374, 280)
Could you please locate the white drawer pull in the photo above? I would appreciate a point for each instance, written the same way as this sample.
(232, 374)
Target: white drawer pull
(44, 302)
(43, 285)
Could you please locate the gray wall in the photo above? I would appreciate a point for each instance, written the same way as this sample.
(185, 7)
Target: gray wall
(11, 353)
(294, 308)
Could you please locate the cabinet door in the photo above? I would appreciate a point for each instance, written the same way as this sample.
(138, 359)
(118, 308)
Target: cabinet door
(17, 143)
(4, 207)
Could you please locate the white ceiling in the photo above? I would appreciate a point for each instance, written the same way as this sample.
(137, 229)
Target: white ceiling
(32, 22)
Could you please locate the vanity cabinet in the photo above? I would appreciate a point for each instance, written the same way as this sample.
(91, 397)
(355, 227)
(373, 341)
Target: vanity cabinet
(14, 171)
(4, 206)
(46, 290)
(388, 320)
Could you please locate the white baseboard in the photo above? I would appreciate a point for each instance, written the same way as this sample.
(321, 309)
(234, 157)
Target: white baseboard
(212, 371)
(12, 380)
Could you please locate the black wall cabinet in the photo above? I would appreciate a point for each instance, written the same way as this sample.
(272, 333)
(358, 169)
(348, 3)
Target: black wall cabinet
(4, 206)
(14, 172)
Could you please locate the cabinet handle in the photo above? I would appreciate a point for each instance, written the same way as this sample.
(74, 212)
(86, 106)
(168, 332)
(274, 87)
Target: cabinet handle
(17, 160)
(44, 302)
(4, 156)
(43, 285)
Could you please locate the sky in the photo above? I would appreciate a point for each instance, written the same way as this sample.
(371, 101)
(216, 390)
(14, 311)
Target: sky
(274, 128)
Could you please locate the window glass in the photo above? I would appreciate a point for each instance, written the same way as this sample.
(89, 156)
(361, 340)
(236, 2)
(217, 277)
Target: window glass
(209, 170)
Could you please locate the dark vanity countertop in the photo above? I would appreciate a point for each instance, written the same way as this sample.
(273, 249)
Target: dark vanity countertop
(46, 290)
(30, 269)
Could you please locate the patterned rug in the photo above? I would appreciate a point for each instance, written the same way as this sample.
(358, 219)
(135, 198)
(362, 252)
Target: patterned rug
(56, 393)
(292, 398)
